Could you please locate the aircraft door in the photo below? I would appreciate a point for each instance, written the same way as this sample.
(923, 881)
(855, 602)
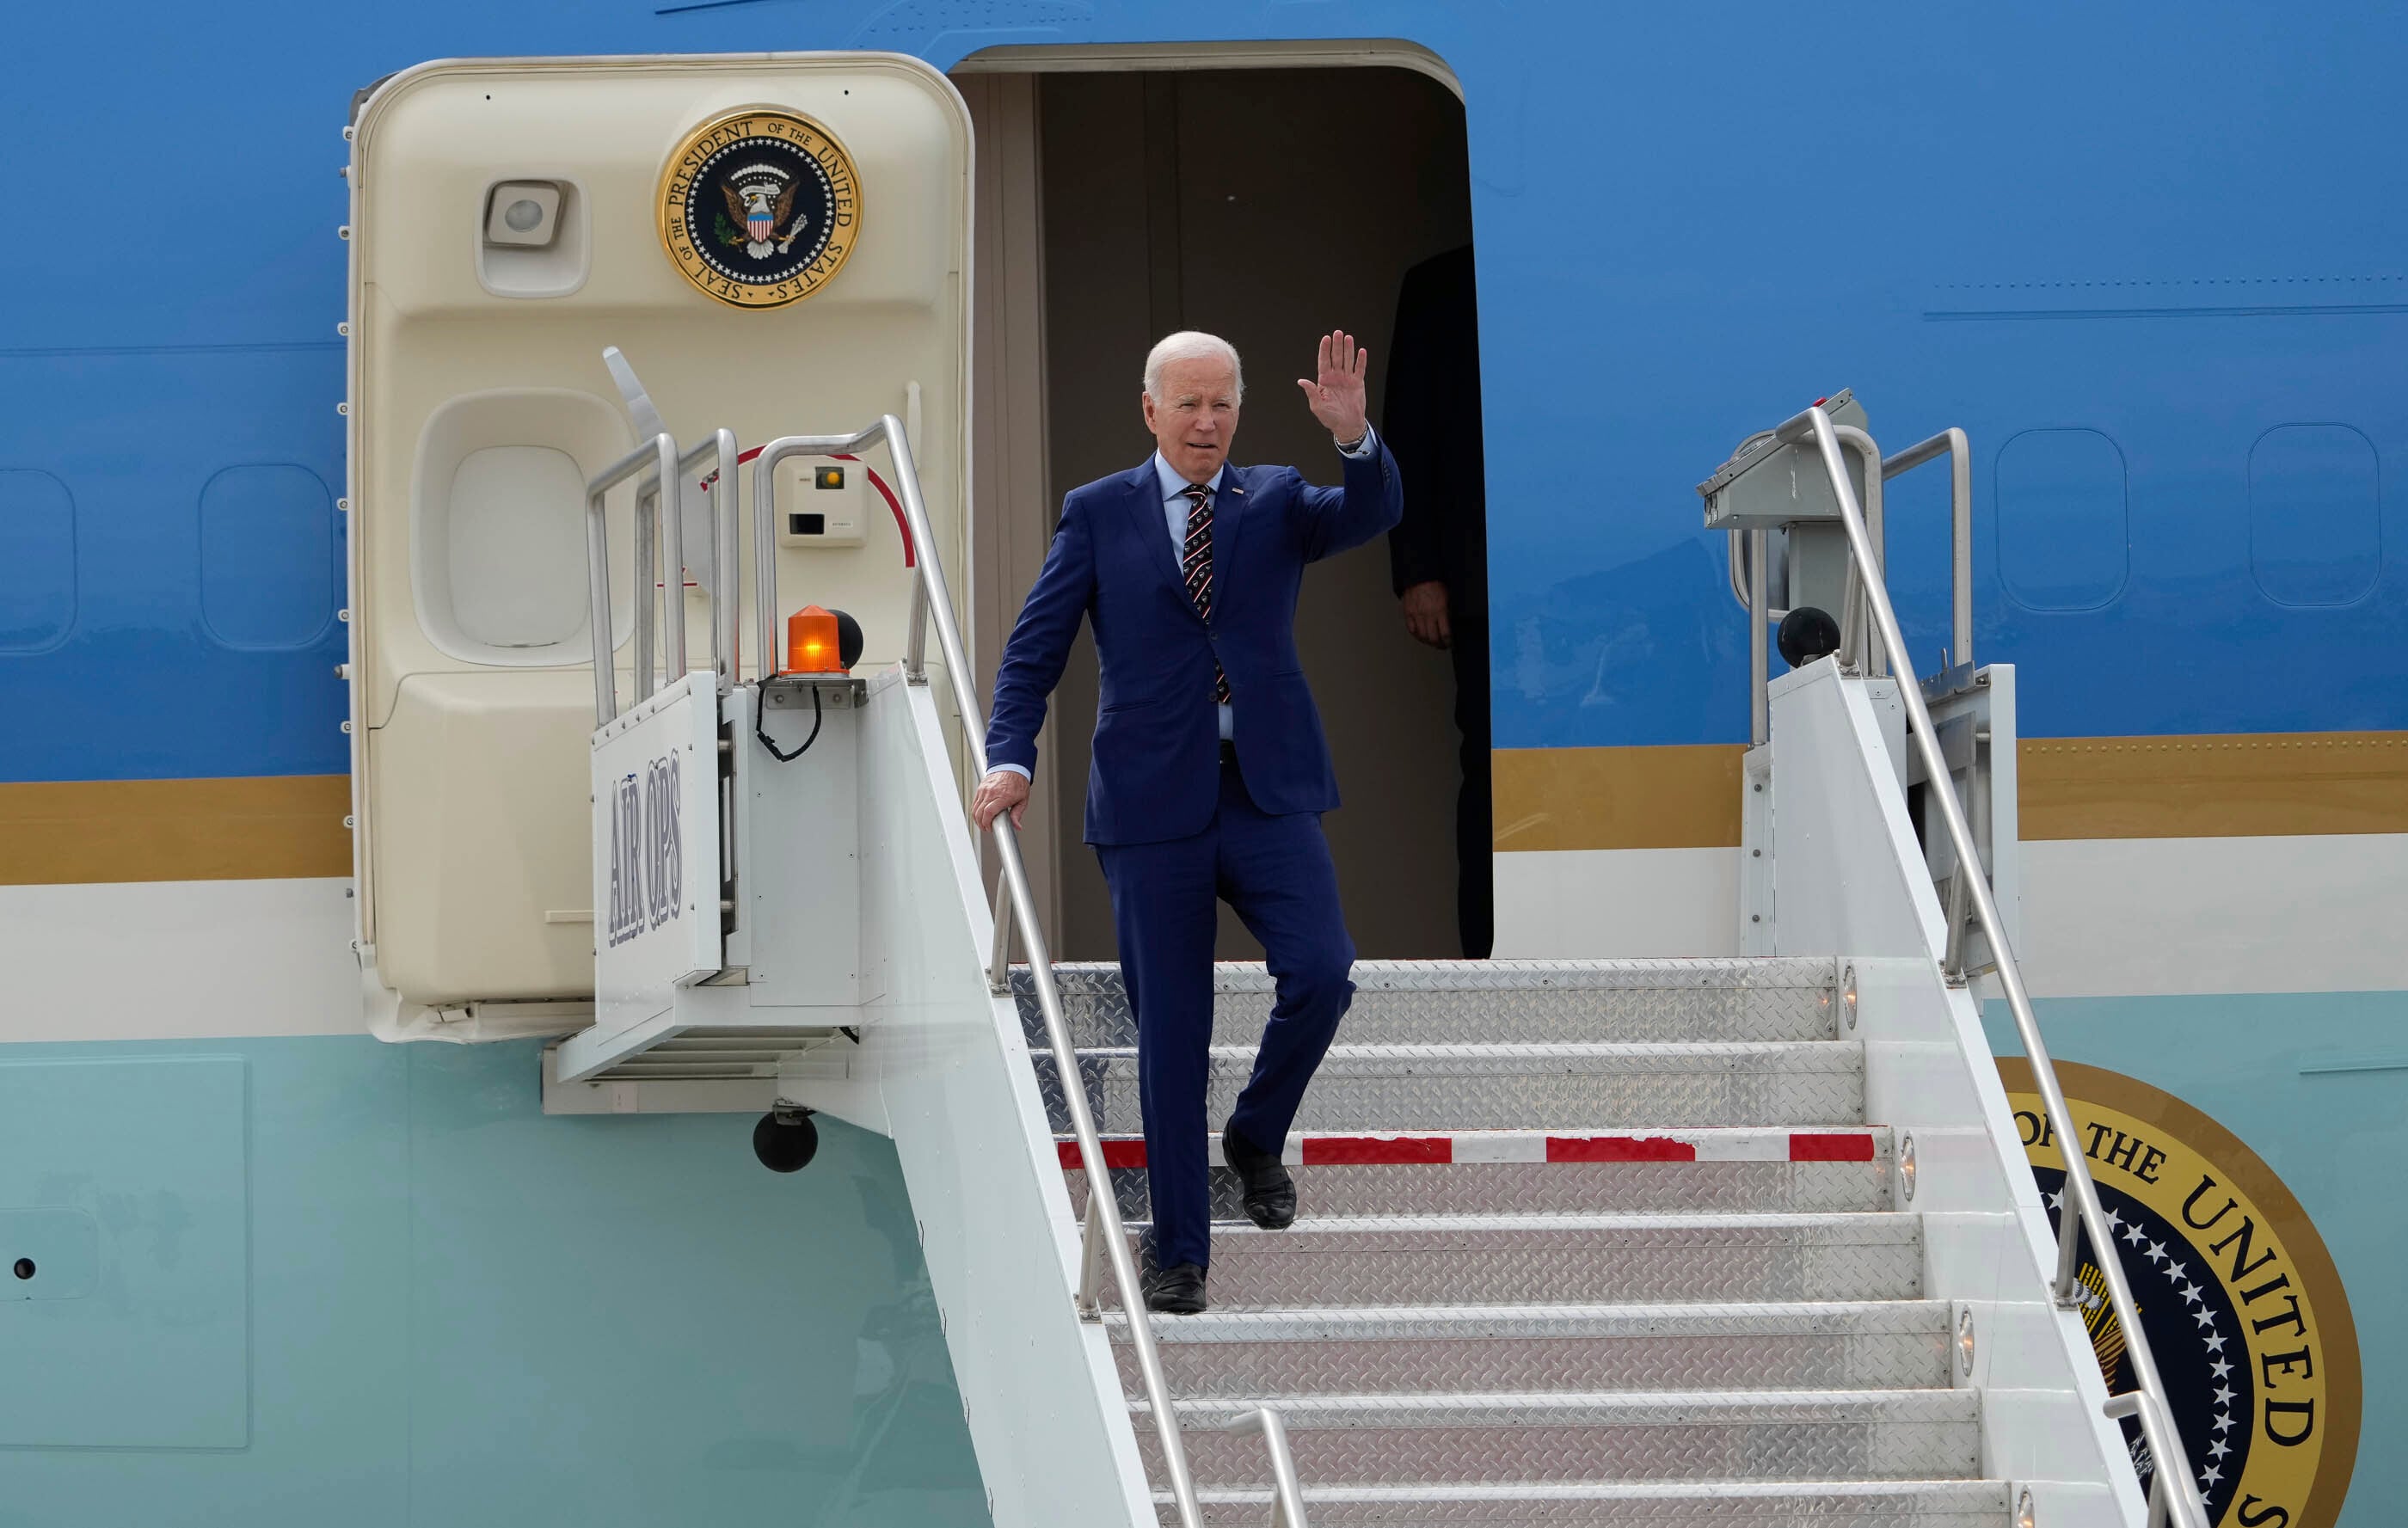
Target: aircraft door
(775, 244)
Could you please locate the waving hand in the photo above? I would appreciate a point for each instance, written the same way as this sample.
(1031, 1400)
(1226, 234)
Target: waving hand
(1336, 397)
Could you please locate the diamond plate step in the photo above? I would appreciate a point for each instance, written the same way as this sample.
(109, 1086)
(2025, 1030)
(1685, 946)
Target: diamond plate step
(1741, 1504)
(1667, 1436)
(1532, 1173)
(1510, 1087)
(1501, 1002)
(1895, 1345)
(1565, 1260)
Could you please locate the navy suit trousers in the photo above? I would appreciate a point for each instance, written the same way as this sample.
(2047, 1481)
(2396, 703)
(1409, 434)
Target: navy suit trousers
(1276, 872)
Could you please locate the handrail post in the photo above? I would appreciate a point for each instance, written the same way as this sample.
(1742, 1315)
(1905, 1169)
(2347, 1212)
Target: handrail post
(1867, 647)
(763, 513)
(1759, 661)
(1954, 964)
(1287, 1492)
(1959, 452)
(1090, 1243)
(648, 554)
(2079, 1187)
(672, 518)
(932, 579)
(999, 971)
(598, 606)
(1960, 545)
(726, 585)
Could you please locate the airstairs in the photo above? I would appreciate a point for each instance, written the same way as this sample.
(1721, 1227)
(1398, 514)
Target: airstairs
(1747, 1241)
(1605, 1242)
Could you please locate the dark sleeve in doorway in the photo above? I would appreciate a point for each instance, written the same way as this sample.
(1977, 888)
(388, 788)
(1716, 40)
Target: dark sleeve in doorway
(1430, 421)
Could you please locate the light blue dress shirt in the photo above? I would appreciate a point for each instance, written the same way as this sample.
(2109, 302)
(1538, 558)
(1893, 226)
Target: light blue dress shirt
(1175, 510)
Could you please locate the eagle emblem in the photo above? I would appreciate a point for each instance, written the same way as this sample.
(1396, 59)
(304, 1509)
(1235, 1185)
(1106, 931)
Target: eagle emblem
(761, 202)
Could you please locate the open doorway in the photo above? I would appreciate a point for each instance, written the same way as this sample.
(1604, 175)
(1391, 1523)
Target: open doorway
(1268, 206)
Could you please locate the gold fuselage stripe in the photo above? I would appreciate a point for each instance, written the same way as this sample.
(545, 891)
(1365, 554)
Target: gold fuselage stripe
(2208, 786)
(56, 831)
(1675, 796)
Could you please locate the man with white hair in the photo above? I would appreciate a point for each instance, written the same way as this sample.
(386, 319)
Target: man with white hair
(1209, 773)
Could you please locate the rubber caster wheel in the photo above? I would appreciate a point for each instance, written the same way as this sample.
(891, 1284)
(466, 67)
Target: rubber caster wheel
(785, 1140)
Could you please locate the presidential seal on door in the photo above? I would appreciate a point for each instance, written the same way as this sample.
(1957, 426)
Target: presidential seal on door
(759, 207)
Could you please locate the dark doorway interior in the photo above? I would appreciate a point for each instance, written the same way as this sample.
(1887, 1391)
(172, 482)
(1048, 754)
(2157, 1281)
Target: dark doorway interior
(1266, 206)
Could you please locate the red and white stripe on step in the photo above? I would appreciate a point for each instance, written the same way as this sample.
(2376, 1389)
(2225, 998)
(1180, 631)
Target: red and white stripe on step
(1531, 1146)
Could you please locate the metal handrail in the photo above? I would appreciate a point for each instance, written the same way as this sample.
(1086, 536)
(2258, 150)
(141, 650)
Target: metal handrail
(1747, 551)
(1287, 1493)
(1952, 444)
(660, 454)
(660, 518)
(2181, 1503)
(931, 599)
(1854, 640)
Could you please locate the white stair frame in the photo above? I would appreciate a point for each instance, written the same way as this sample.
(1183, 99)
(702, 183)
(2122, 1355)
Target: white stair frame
(1850, 881)
(944, 1070)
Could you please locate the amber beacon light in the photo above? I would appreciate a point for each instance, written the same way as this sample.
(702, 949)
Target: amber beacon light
(812, 645)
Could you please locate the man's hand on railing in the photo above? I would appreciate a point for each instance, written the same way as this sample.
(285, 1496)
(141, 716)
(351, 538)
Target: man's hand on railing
(1002, 791)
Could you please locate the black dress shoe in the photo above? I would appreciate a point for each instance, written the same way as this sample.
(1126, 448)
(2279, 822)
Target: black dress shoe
(1175, 1291)
(1271, 1193)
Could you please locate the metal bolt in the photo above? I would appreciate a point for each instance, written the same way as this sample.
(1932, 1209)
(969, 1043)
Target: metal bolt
(344, 409)
(344, 232)
(342, 671)
(344, 328)
(343, 615)
(349, 823)
(343, 506)
(347, 725)
(348, 132)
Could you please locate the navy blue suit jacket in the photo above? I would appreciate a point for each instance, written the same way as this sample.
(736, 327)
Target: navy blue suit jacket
(1157, 768)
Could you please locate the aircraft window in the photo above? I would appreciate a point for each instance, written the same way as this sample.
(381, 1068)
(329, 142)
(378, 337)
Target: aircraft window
(518, 546)
(497, 524)
(38, 560)
(2315, 515)
(268, 556)
(2064, 520)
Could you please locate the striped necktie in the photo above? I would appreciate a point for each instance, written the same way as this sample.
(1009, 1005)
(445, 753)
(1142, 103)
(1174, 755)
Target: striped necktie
(1195, 566)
